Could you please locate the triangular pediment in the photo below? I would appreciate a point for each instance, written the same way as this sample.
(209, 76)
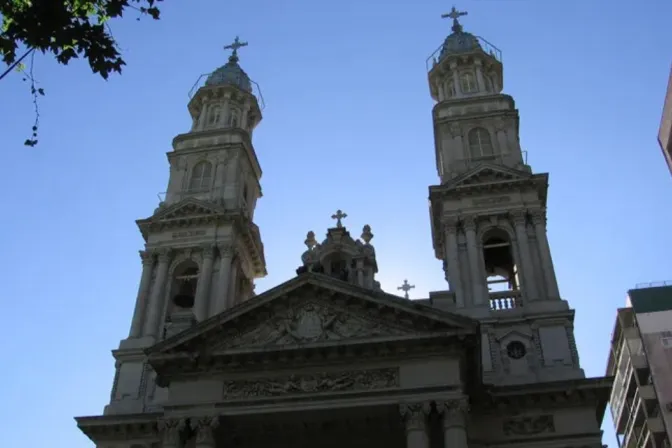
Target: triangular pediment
(489, 173)
(187, 208)
(314, 310)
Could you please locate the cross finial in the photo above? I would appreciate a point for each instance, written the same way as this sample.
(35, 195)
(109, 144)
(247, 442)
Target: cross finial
(338, 216)
(406, 287)
(455, 14)
(235, 46)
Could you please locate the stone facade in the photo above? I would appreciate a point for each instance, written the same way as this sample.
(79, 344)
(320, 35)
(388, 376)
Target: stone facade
(328, 358)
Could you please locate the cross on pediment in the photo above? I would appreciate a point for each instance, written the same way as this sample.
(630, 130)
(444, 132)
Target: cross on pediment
(405, 287)
(338, 216)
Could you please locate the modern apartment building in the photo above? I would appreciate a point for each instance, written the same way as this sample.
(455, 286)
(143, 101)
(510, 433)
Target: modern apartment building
(665, 131)
(641, 362)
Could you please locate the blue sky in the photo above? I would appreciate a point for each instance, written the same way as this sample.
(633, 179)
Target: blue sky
(347, 125)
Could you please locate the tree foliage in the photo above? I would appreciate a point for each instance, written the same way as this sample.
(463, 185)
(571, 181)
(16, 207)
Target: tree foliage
(67, 29)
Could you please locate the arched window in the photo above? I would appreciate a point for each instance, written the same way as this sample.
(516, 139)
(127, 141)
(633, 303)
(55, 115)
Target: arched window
(201, 176)
(480, 144)
(185, 280)
(468, 82)
(213, 115)
(500, 267)
(234, 118)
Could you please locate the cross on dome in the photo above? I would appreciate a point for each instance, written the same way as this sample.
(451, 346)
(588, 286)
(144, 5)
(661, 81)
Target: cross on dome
(405, 287)
(455, 14)
(235, 46)
(338, 217)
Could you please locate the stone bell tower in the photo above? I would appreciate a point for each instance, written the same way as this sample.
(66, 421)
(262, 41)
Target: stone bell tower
(203, 250)
(488, 219)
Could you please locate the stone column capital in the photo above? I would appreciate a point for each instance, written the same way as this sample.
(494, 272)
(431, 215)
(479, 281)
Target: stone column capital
(208, 251)
(450, 224)
(455, 130)
(538, 216)
(415, 415)
(204, 427)
(519, 217)
(226, 249)
(171, 430)
(147, 257)
(453, 412)
(469, 223)
(164, 254)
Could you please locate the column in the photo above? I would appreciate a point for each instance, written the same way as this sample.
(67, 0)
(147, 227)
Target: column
(360, 273)
(143, 290)
(539, 221)
(442, 93)
(479, 76)
(469, 224)
(232, 298)
(415, 418)
(155, 302)
(453, 261)
(203, 117)
(221, 300)
(501, 139)
(171, 432)
(204, 281)
(453, 419)
(512, 139)
(204, 427)
(529, 288)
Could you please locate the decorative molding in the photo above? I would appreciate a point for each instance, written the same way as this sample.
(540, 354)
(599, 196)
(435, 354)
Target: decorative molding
(415, 415)
(491, 200)
(204, 427)
(348, 381)
(525, 426)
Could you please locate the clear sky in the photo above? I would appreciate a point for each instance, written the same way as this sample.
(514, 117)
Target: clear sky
(347, 125)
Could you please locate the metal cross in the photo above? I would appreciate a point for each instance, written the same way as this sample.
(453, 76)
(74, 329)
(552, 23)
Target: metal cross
(406, 287)
(338, 216)
(236, 45)
(454, 14)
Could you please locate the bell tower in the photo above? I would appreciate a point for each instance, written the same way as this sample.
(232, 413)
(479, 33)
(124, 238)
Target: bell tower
(488, 219)
(203, 250)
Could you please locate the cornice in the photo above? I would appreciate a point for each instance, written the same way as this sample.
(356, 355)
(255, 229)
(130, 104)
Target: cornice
(120, 427)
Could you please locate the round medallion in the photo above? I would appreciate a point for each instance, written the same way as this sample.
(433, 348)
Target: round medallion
(516, 350)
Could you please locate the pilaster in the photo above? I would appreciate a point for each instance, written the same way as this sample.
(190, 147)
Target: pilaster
(453, 262)
(469, 225)
(519, 218)
(454, 422)
(220, 303)
(143, 291)
(157, 293)
(539, 222)
(204, 280)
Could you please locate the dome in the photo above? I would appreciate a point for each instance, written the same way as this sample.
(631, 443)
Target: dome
(230, 74)
(459, 42)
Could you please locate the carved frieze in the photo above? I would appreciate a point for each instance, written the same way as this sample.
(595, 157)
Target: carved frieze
(308, 322)
(415, 415)
(529, 425)
(310, 383)
(492, 200)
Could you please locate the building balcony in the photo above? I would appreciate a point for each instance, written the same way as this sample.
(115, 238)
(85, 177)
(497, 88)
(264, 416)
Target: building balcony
(505, 300)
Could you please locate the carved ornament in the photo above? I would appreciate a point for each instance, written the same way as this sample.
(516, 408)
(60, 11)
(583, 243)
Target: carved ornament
(147, 257)
(226, 250)
(349, 381)
(164, 254)
(204, 427)
(453, 412)
(208, 251)
(523, 426)
(311, 322)
(469, 223)
(519, 217)
(450, 224)
(538, 216)
(455, 130)
(415, 415)
(171, 430)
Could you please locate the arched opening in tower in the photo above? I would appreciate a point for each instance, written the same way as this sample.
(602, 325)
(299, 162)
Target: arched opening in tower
(500, 266)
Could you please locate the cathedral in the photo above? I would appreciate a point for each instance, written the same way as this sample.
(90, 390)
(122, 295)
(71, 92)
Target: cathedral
(329, 359)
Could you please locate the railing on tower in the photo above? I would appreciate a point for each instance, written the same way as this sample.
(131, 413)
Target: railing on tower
(505, 300)
(256, 90)
(486, 47)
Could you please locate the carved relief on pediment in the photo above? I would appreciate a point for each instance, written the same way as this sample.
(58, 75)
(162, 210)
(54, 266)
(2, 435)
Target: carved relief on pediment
(530, 425)
(186, 210)
(308, 322)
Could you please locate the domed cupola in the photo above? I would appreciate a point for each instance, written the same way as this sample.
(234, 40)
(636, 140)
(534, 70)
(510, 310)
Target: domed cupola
(231, 73)
(459, 42)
